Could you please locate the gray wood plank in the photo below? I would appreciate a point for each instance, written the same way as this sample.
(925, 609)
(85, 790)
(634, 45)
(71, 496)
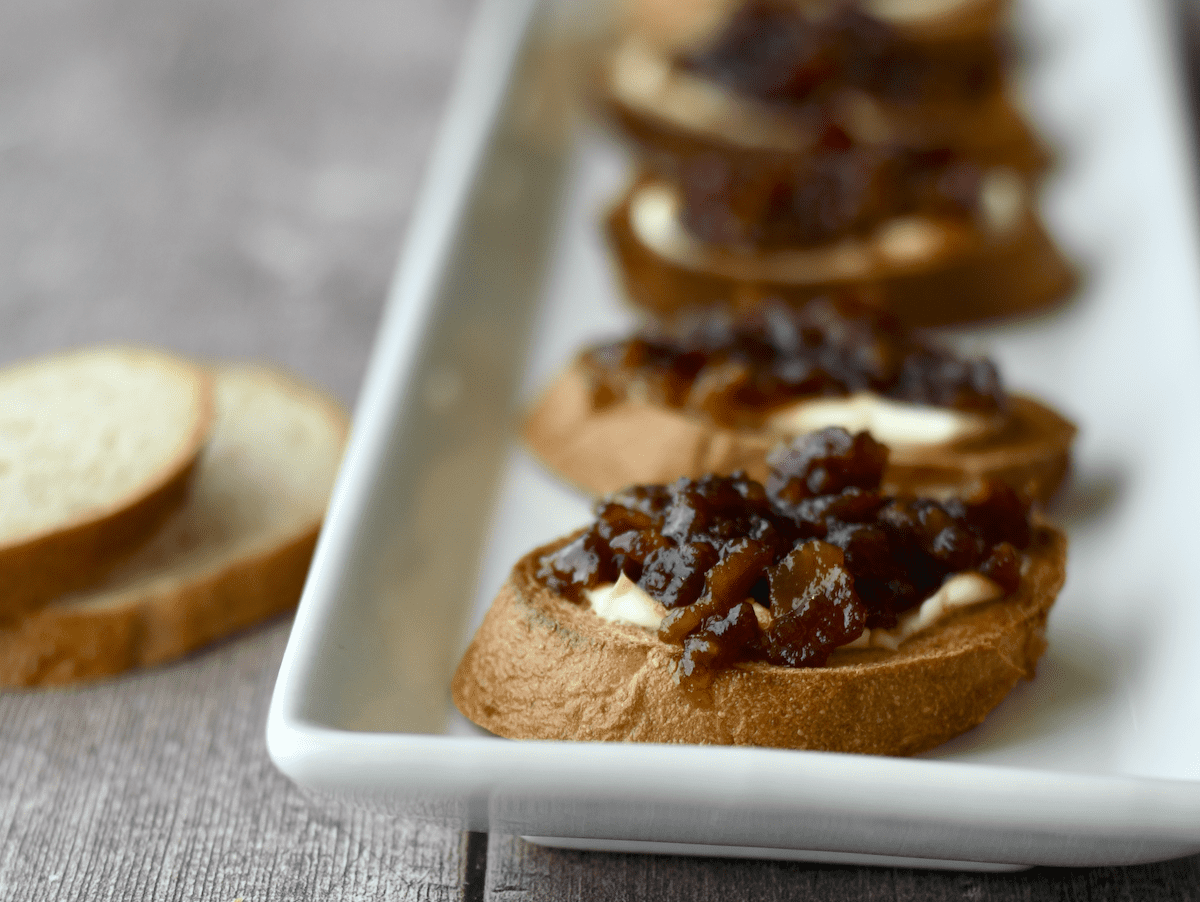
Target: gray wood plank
(229, 179)
(158, 786)
(226, 178)
(518, 871)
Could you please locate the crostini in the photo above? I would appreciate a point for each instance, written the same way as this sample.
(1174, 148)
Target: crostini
(812, 613)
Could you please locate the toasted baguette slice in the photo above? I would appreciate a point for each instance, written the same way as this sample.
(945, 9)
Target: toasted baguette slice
(96, 448)
(670, 110)
(924, 272)
(601, 449)
(236, 553)
(542, 667)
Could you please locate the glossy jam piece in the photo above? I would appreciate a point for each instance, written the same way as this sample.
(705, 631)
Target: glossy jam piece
(813, 604)
(827, 464)
(1003, 567)
(718, 642)
(584, 563)
(819, 546)
(675, 574)
(735, 371)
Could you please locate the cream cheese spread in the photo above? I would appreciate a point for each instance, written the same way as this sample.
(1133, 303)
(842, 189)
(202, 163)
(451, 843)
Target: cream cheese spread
(654, 219)
(905, 241)
(959, 591)
(891, 422)
(1003, 199)
(902, 241)
(624, 602)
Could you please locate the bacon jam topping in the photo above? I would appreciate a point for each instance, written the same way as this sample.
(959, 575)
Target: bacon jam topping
(784, 53)
(803, 60)
(769, 201)
(736, 371)
(787, 572)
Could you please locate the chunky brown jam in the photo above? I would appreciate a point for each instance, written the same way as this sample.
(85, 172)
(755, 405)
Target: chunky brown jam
(737, 370)
(818, 546)
(781, 52)
(838, 189)
(804, 59)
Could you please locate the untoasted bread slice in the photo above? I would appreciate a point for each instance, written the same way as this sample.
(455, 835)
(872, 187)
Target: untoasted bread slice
(634, 441)
(923, 272)
(235, 553)
(542, 667)
(96, 449)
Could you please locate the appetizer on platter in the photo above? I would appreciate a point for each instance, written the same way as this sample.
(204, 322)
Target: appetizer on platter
(813, 612)
(927, 271)
(767, 74)
(715, 394)
(797, 146)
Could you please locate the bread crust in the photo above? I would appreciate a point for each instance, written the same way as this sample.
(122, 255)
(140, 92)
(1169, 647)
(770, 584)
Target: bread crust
(541, 667)
(636, 442)
(37, 568)
(979, 277)
(57, 646)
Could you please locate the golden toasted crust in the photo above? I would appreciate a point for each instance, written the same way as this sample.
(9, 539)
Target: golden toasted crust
(976, 276)
(602, 449)
(541, 667)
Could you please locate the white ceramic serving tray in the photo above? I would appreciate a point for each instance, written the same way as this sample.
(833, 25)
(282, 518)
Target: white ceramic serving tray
(504, 275)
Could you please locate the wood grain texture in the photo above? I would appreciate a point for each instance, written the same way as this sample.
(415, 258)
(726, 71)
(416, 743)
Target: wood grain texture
(521, 872)
(228, 180)
(158, 786)
(223, 178)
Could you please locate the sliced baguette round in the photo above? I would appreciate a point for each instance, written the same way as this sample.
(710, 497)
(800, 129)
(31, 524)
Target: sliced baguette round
(633, 441)
(97, 448)
(927, 273)
(542, 667)
(235, 553)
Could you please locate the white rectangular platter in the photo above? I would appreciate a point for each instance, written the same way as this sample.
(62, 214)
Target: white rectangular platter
(505, 275)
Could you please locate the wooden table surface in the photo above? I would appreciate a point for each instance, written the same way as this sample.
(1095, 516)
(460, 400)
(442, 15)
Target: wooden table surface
(231, 179)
